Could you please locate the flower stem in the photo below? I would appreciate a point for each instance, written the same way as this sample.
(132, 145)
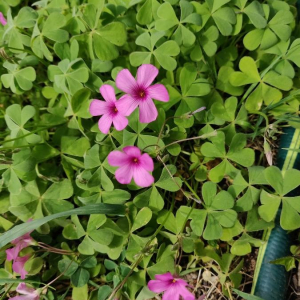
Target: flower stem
(142, 253)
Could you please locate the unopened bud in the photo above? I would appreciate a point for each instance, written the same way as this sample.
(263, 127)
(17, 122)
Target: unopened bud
(198, 110)
(191, 113)
(268, 153)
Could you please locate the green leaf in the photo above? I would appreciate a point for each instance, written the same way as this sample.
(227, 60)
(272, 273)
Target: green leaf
(74, 230)
(255, 13)
(274, 178)
(164, 265)
(104, 41)
(164, 55)
(34, 265)
(21, 229)
(167, 17)
(224, 19)
(291, 180)
(243, 245)
(18, 80)
(288, 262)
(213, 229)
(147, 12)
(80, 293)
(253, 39)
(290, 218)
(270, 205)
(223, 82)
(216, 148)
(103, 292)
(59, 190)
(16, 118)
(248, 75)
(80, 103)
(246, 296)
(67, 266)
(51, 28)
(101, 236)
(167, 182)
(80, 278)
(279, 81)
(142, 218)
(74, 146)
(215, 5)
(150, 198)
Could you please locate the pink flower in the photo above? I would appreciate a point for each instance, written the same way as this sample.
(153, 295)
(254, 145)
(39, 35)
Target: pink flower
(2, 19)
(20, 243)
(172, 287)
(18, 266)
(132, 164)
(110, 110)
(29, 293)
(140, 93)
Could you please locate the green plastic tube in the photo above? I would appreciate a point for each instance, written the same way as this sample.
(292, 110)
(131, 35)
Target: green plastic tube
(271, 281)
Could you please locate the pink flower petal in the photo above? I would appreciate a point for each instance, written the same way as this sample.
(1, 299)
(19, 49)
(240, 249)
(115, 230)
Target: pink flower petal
(24, 239)
(124, 174)
(132, 151)
(117, 158)
(2, 19)
(147, 164)
(24, 298)
(120, 122)
(108, 93)
(158, 92)
(171, 294)
(141, 177)
(104, 123)
(98, 108)
(27, 292)
(18, 266)
(186, 294)
(148, 111)
(126, 105)
(158, 286)
(11, 253)
(180, 282)
(146, 75)
(22, 288)
(126, 82)
(164, 277)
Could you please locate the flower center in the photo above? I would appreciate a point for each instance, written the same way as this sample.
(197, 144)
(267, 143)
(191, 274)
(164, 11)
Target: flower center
(113, 110)
(174, 280)
(142, 93)
(135, 160)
